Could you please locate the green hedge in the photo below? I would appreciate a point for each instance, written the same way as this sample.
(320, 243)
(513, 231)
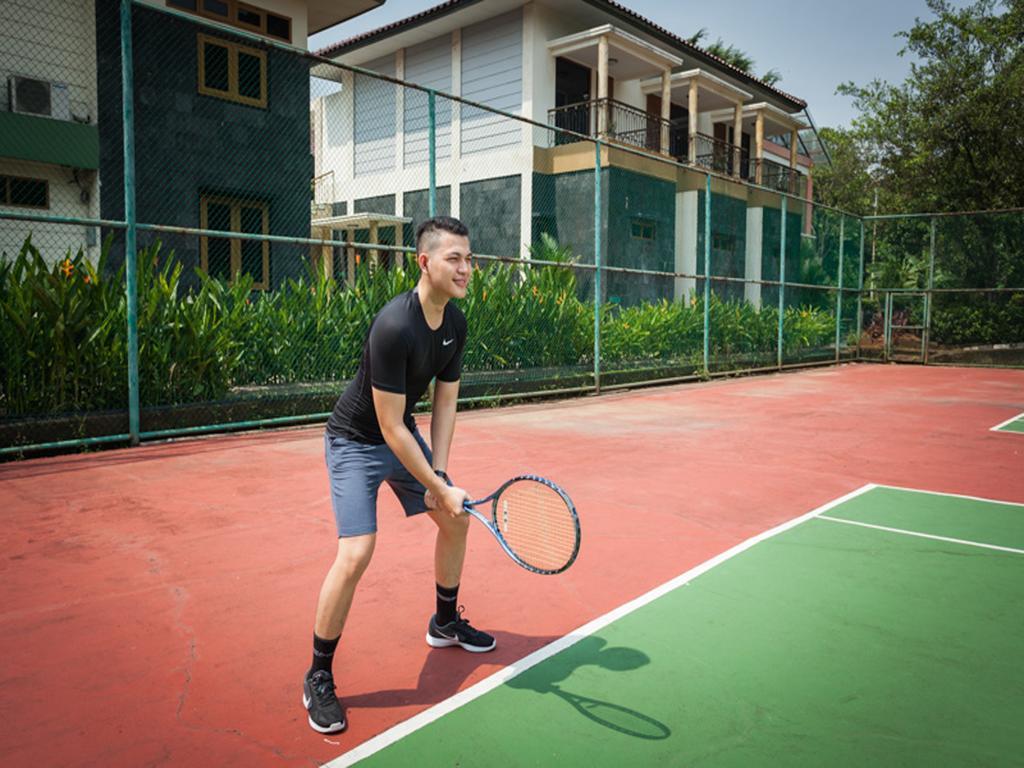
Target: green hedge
(63, 347)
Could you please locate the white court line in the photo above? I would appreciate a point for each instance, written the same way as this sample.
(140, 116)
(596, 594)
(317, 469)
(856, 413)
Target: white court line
(922, 535)
(477, 690)
(951, 495)
(999, 427)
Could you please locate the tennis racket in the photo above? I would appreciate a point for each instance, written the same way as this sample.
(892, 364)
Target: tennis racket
(534, 521)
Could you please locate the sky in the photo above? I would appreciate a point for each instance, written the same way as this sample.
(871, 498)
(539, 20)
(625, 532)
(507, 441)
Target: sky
(814, 44)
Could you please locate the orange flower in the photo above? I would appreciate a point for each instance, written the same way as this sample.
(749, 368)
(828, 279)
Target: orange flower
(484, 297)
(67, 268)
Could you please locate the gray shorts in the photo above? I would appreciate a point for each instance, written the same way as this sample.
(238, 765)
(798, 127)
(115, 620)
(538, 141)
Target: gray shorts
(356, 470)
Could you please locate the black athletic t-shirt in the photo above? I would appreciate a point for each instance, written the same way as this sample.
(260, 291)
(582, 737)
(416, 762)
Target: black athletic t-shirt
(402, 354)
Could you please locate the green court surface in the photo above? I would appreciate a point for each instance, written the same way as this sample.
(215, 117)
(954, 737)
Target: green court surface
(1013, 425)
(823, 644)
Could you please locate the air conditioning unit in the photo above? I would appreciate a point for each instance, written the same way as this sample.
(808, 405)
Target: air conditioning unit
(31, 96)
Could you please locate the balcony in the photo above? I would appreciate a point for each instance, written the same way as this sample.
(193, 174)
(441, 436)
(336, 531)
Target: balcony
(777, 177)
(618, 122)
(720, 156)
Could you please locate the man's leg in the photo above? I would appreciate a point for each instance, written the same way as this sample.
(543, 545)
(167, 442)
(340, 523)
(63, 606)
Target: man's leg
(449, 547)
(447, 627)
(336, 593)
(354, 553)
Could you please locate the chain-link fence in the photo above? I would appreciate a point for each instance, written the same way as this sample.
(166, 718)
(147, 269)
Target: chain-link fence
(272, 197)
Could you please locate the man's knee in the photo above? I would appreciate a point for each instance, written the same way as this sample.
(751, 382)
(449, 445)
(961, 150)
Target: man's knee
(354, 554)
(452, 526)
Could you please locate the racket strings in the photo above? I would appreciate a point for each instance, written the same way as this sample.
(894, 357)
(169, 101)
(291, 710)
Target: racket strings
(537, 524)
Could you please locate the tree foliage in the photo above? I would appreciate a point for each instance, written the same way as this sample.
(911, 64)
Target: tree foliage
(948, 138)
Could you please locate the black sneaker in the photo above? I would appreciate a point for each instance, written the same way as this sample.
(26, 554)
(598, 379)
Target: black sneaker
(318, 697)
(458, 632)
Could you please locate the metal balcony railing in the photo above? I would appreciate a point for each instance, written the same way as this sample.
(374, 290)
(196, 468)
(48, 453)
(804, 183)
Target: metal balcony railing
(616, 121)
(779, 177)
(719, 156)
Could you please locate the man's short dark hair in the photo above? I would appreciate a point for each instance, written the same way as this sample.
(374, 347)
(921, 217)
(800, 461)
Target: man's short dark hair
(439, 224)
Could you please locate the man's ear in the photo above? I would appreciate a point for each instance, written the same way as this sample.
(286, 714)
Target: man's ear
(422, 258)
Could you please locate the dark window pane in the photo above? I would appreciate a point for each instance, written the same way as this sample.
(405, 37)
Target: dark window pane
(215, 59)
(216, 7)
(28, 192)
(252, 18)
(249, 76)
(187, 5)
(218, 216)
(278, 26)
(218, 257)
(252, 220)
(252, 259)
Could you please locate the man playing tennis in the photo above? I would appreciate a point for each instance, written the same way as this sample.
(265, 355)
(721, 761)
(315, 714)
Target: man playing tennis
(372, 438)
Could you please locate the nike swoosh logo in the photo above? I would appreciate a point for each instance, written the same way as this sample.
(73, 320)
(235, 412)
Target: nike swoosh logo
(446, 342)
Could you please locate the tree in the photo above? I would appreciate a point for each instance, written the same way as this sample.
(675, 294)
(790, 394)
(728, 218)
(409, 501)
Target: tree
(948, 138)
(734, 56)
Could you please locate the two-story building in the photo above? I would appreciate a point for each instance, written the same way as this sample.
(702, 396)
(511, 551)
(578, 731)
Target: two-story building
(591, 66)
(221, 124)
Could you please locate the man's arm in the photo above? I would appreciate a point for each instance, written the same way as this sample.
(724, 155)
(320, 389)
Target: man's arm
(442, 421)
(390, 407)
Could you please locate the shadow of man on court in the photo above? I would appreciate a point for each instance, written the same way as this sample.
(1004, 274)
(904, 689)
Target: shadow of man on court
(547, 676)
(445, 670)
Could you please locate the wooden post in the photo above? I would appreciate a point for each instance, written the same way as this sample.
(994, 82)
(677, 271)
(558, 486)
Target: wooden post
(326, 251)
(737, 140)
(666, 108)
(759, 146)
(691, 105)
(793, 139)
(602, 86)
(374, 253)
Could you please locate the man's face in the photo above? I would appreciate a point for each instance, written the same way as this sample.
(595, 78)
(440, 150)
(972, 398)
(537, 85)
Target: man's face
(447, 262)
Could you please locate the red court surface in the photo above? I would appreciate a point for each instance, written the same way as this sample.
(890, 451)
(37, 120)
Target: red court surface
(158, 602)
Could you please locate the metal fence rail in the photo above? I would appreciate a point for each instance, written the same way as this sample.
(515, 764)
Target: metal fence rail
(247, 229)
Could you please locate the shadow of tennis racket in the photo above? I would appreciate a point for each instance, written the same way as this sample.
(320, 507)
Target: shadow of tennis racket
(548, 678)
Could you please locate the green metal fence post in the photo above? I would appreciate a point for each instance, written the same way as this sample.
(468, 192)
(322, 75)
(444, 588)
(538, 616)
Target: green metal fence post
(597, 267)
(130, 252)
(839, 293)
(927, 334)
(707, 273)
(887, 326)
(860, 289)
(782, 279)
(432, 151)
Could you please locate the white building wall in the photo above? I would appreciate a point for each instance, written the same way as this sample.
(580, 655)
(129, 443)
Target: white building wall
(53, 40)
(492, 64)
(430, 65)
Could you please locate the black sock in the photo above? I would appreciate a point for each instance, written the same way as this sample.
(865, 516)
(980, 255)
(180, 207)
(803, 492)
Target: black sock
(323, 653)
(447, 599)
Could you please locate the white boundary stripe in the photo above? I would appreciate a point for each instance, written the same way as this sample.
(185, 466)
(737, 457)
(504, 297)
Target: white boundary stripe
(922, 535)
(477, 690)
(999, 427)
(951, 495)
